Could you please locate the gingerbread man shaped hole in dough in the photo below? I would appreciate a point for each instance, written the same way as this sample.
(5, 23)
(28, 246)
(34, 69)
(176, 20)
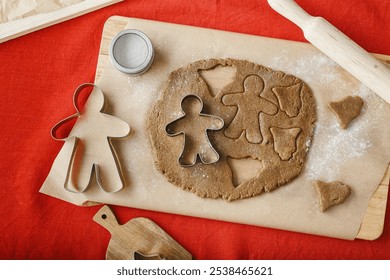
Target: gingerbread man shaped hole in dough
(194, 126)
(250, 105)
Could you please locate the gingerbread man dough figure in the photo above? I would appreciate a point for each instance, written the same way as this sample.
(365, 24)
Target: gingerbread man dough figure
(194, 126)
(250, 105)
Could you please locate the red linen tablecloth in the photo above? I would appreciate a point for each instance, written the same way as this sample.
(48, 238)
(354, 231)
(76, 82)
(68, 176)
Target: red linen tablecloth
(38, 74)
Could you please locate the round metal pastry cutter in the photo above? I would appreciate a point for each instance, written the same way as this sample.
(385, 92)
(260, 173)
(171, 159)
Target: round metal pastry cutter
(131, 52)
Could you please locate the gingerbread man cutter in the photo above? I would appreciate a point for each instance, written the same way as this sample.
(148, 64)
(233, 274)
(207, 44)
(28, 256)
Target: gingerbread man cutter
(91, 140)
(194, 124)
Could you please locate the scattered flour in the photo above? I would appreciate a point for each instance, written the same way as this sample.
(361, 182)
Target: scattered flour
(332, 146)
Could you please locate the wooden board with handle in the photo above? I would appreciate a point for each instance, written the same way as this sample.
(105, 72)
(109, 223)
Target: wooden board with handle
(139, 238)
(373, 222)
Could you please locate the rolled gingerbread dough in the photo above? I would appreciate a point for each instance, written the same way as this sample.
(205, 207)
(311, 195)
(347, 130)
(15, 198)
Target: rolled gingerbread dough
(259, 124)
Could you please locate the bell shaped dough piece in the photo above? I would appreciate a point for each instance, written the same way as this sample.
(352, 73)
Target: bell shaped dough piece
(331, 194)
(285, 141)
(347, 109)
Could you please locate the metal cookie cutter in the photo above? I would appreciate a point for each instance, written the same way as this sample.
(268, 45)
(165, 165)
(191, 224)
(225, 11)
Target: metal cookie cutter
(131, 52)
(196, 141)
(88, 137)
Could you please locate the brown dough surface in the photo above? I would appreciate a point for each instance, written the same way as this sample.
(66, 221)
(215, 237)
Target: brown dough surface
(331, 194)
(258, 133)
(347, 109)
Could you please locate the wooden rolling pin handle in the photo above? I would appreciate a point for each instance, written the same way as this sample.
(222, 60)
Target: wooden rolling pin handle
(338, 47)
(291, 10)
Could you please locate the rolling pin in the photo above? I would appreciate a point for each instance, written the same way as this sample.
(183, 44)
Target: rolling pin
(338, 47)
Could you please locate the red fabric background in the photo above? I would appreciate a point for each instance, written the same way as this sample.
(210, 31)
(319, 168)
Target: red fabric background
(40, 71)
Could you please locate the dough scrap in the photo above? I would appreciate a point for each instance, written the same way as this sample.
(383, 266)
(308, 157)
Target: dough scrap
(347, 109)
(216, 180)
(285, 141)
(331, 194)
(289, 99)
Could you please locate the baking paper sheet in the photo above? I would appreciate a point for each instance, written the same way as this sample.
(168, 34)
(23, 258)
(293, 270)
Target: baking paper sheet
(358, 156)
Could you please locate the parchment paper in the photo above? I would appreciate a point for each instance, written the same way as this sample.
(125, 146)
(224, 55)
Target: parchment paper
(357, 156)
(16, 9)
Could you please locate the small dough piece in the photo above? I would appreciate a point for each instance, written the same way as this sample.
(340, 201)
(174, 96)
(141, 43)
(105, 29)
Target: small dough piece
(285, 141)
(289, 99)
(347, 109)
(332, 193)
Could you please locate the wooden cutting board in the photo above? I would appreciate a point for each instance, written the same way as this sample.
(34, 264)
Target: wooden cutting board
(373, 222)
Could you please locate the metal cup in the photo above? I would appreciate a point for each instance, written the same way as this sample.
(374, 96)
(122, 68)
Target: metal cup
(131, 52)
